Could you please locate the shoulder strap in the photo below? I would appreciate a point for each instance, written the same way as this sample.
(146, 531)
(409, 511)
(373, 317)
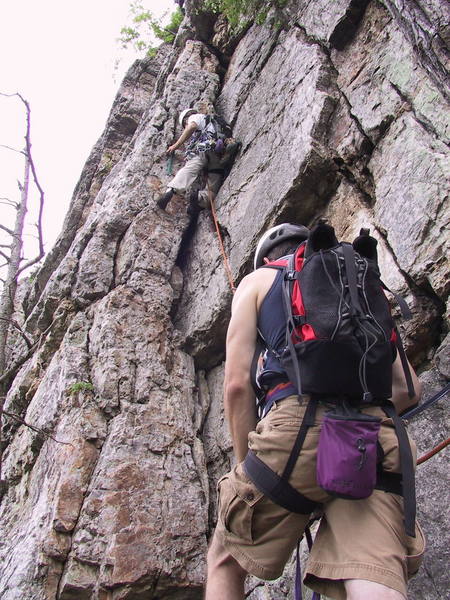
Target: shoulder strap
(405, 365)
(406, 312)
(288, 284)
(349, 257)
(260, 346)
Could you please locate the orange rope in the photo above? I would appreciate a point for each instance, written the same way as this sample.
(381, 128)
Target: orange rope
(219, 236)
(435, 450)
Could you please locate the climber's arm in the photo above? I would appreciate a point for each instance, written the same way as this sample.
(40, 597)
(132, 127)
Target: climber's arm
(189, 130)
(400, 397)
(239, 397)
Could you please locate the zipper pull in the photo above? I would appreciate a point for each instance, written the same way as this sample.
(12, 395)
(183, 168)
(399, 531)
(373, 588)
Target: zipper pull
(360, 444)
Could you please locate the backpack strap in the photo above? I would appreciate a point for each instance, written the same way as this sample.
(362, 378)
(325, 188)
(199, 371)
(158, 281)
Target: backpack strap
(289, 278)
(349, 258)
(405, 365)
(407, 469)
(308, 421)
(260, 346)
(404, 308)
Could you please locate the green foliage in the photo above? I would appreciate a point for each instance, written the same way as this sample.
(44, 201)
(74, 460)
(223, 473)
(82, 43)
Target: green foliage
(80, 386)
(239, 13)
(145, 29)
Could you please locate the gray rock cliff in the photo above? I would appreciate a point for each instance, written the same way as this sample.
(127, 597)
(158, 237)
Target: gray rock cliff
(342, 111)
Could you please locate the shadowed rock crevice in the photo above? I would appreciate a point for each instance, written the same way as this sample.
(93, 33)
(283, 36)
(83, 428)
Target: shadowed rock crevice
(347, 26)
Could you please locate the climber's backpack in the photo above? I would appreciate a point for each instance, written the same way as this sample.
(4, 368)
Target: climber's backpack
(212, 137)
(340, 345)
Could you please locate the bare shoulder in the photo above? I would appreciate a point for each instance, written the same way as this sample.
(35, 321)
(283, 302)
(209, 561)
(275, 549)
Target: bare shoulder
(256, 285)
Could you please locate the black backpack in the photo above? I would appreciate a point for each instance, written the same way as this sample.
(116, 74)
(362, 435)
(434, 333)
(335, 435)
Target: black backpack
(209, 138)
(340, 335)
(222, 128)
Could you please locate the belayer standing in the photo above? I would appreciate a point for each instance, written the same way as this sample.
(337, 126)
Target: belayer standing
(365, 548)
(208, 148)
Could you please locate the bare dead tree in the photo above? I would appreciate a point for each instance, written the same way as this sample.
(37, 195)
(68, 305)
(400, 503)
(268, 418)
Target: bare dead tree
(13, 254)
(15, 264)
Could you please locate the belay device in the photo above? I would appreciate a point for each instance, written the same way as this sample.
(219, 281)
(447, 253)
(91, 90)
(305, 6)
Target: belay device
(340, 345)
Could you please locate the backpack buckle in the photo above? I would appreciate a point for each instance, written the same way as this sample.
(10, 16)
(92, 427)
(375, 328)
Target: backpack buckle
(290, 275)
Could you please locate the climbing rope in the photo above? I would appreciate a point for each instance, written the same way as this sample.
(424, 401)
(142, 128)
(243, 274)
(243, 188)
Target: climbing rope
(219, 237)
(418, 409)
(434, 451)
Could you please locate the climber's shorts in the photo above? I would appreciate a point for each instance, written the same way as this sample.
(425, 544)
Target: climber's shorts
(356, 539)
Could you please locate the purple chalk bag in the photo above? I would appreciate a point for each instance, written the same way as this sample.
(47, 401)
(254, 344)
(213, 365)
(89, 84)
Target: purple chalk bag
(347, 454)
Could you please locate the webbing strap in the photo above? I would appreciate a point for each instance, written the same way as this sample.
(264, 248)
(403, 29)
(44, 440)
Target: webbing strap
(407, 469)
(275, 488)
(287, 288)
(405, 310)
(405, 365)
(307, 422)
(389, 482)
(349, 257)
(259, 348)
(298, 574)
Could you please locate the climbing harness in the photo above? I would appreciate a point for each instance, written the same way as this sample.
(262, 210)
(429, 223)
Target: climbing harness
(219, 237)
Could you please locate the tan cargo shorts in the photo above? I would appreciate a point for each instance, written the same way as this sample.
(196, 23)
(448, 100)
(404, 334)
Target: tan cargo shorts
(356, 539)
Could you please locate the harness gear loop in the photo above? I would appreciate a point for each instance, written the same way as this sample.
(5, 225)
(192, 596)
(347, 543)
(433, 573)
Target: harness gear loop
(219, 236)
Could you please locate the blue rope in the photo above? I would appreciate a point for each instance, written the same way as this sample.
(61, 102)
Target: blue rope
(418, 409)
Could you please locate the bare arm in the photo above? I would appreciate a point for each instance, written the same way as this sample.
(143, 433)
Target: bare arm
(400, 397)
(239, 397)
(189, 130)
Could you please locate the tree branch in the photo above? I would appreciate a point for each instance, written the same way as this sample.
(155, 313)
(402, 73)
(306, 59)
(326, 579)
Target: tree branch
(36, 429)
(41, 194)
(16, 326)
(12, 149)
(9, 202)
(9, 231)
(21, 361)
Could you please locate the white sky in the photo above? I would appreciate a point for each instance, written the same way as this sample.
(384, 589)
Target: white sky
(60, 56)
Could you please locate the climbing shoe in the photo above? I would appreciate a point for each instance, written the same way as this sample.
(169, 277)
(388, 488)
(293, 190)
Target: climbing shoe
(165, 199)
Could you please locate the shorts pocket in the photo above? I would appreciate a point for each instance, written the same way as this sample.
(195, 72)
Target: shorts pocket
(415, 549)
(236, 505)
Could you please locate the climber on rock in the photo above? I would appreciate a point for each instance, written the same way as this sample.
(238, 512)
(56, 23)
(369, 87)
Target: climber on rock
(361, 550)
(209, 149)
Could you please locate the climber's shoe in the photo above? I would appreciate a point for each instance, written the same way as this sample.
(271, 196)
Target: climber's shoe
(193, 206)
(164, 200)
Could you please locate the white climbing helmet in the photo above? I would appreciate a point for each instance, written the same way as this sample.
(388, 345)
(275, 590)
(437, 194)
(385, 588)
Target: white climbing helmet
(185, 113)
(276, 235)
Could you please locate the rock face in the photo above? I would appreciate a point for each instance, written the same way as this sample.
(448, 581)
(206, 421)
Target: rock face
(342, 112)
